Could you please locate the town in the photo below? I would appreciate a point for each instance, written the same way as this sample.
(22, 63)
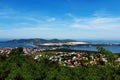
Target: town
(69, 59)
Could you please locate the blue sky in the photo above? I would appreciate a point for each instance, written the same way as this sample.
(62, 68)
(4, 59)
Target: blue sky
(63, 19)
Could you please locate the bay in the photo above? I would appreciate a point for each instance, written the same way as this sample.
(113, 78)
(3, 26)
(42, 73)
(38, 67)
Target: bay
(114, 49)
(13, 45)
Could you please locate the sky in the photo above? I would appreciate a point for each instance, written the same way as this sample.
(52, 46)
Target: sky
(62, 19)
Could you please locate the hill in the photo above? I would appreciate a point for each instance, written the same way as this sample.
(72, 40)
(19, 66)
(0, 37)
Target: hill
(39, 41)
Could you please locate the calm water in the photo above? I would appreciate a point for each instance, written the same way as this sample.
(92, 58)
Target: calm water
(13, 45)
(114, 49)
(101, 41)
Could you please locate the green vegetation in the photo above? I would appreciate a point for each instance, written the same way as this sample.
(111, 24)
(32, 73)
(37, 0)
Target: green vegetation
(20, 67)
(110, 56)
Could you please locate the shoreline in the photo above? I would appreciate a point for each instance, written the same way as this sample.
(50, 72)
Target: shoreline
(78, 44)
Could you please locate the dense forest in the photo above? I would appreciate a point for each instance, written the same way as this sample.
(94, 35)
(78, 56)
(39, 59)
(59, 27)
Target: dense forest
(18, 66)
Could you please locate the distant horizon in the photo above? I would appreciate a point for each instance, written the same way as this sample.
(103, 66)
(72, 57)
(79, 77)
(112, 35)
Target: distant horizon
(7, 39)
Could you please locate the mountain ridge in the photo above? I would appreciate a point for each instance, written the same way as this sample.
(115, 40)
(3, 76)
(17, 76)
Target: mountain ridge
(39, 41)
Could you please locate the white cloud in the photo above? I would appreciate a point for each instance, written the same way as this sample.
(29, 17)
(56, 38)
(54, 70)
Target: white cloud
(97, 23)
(6, 10)
(101, 13)
(25, 32)
(100, 20)
(70, 15)
(51, 19)
(23, 25)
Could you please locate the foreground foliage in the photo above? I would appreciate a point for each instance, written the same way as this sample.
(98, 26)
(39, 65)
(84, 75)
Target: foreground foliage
(20, 67)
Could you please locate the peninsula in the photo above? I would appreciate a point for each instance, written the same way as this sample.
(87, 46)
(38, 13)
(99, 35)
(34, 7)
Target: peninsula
(58, 42)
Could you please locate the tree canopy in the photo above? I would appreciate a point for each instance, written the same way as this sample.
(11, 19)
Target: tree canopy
(21, 67)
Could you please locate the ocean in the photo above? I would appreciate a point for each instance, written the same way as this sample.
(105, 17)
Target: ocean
(114, 49)
(13, 45)
(100, 41)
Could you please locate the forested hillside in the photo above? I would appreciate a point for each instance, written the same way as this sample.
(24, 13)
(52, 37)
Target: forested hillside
(18, 66)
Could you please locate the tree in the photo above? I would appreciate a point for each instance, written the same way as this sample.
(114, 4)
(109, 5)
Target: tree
(18, 50)
(109, 54)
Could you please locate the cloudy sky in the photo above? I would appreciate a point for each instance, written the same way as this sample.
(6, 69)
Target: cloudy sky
(63, 19)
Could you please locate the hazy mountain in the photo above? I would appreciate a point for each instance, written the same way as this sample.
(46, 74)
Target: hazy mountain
(39, 41)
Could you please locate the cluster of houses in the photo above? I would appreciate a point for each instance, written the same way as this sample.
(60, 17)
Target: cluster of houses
(74, 59)
(5, 51)
(34, 50)
(29, 50)
(70, 59)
